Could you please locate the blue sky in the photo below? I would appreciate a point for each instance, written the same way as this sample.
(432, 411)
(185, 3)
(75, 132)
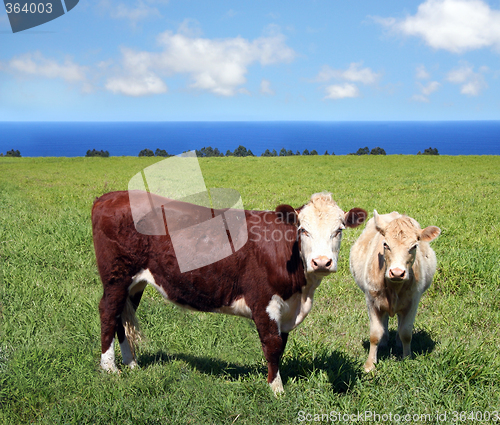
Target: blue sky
(171, 60)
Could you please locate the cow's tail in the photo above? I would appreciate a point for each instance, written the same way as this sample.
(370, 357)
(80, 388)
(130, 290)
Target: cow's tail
(131, 325)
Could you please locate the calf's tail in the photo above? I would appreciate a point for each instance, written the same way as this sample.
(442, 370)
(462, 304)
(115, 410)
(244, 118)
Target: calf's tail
(131, 326)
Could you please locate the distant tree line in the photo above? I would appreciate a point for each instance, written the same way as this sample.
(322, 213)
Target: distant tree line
(158, 152)
(429, 151)
(12, 153)
(366, 151)
(208, 152)
(284, 152)
(380, 151)
(95, 152)
(241, 151)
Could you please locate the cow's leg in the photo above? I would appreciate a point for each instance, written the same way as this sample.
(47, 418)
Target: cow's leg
(273, 345)
(284, 339)
(376, 335)
(405, 327)
(110, 308)
(126, 346)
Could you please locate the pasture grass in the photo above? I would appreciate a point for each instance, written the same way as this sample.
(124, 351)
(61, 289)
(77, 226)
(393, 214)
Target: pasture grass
(201, 368)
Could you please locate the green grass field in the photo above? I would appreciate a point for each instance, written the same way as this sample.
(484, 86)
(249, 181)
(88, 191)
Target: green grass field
(201, 368)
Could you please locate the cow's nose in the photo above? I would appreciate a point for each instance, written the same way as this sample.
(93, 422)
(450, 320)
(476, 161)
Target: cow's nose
(321, 263)
(396, 273)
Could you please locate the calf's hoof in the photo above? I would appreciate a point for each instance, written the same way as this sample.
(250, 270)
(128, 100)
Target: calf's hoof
(132, 365)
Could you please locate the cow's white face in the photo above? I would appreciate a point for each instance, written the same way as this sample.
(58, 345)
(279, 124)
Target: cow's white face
(321, 223)
(401, 240)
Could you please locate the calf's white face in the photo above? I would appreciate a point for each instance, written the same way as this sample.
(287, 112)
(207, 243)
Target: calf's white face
(321, 222)
(401, 238)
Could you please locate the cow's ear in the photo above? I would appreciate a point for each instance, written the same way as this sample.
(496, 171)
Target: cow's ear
(430, 233)
(379, 223)
(287, 214)
(355, 217)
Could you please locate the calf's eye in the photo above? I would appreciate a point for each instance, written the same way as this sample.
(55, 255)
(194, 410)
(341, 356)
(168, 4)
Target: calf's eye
(413, 248)
(335, 234)
(386, 246)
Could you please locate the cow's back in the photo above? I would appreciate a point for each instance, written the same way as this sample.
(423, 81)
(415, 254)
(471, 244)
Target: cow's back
(267, 264)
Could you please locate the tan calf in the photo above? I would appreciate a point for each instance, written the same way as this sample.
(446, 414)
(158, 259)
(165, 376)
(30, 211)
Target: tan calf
(393, 265)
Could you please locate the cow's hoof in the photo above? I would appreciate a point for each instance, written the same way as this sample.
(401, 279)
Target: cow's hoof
(113, 370)
(109, 367)
(369, 367)
(277, 386)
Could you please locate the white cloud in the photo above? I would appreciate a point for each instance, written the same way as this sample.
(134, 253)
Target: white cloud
(137, 85)
(265, 87)
(354, 74)
(460, 75)
(472, 83)
(472, 88)
(429, 88)
(134, 12)
(425, 89)
(422, 73)
(218, 66)
(420, 98)
(36, 65)
(453, 25)
(231, 13)
(190, 28)
(142, 11)
(341, 91)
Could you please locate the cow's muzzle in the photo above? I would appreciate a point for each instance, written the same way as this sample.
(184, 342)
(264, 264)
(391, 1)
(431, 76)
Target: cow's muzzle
(323, 264)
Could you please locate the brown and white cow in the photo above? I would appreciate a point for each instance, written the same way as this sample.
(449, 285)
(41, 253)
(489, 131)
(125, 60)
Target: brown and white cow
(393, 265)
(270, 280)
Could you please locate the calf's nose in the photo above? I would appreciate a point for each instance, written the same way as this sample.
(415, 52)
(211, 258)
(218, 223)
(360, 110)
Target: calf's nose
(321, 263)
(396, 273)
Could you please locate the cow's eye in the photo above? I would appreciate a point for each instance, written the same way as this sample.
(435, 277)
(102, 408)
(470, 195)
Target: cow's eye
(303, 231)
(413, 248)
(386, 246)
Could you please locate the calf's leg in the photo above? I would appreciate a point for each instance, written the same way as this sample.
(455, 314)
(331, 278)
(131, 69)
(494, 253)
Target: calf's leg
(384, 341)
(377, 331)
(405, 327)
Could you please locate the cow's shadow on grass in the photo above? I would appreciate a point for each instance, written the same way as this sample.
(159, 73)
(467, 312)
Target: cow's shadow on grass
(421, 343)
(203, 364)
(340, 370)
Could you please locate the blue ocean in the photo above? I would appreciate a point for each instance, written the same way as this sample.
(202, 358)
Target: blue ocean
(129, 138)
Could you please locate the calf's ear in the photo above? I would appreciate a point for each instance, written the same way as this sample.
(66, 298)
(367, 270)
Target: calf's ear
(355, 217)
(430, 233)
(287, 214)
(379, 223)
